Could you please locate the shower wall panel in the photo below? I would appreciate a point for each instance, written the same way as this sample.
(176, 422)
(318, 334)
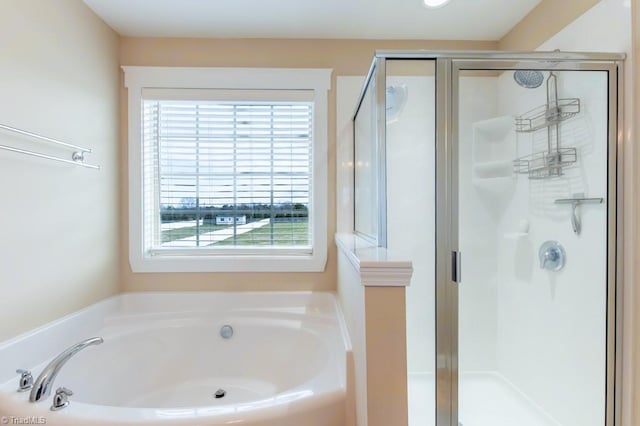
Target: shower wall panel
(552, 325)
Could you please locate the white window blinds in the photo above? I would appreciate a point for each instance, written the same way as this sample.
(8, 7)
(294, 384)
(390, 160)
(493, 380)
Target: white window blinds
(227, 174)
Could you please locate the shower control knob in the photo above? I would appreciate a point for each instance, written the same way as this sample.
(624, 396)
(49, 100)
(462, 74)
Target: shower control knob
(552, 256)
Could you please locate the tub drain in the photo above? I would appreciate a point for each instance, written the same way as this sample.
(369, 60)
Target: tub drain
(226, 331)
(220, 393)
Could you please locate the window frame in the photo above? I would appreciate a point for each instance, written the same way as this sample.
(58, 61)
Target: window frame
(141, 256)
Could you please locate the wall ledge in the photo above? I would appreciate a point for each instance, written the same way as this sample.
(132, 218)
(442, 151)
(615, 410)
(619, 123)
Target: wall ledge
(376, 266)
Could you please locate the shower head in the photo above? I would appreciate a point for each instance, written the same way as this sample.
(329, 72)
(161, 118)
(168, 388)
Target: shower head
(528, 79)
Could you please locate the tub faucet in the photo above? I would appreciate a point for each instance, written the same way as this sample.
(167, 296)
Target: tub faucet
(43, 384)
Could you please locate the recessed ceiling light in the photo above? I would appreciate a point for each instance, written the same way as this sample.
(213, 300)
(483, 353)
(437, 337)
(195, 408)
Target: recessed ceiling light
(433, 4)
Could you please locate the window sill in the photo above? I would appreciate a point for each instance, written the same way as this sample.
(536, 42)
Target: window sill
(229, 263)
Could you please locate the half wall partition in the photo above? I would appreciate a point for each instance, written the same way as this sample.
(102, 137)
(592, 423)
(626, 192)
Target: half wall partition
(495, 173)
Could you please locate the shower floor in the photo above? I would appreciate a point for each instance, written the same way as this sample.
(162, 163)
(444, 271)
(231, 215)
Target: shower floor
(485, 400)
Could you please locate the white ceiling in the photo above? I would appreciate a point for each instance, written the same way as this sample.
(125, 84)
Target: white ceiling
(363, 19)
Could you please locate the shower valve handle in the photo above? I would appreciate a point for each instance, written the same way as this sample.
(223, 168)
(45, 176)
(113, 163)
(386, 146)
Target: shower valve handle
(552, 256)
(549, 255)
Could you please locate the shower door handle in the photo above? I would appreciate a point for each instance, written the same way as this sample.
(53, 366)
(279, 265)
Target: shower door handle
(456, 267)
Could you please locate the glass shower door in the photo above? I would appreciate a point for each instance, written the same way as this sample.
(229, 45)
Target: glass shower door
(534, 163)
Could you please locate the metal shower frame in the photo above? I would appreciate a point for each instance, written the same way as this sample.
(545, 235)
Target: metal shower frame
(448, 65)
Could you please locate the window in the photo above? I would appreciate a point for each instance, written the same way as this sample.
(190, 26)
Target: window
(225, 175)
(230, 173)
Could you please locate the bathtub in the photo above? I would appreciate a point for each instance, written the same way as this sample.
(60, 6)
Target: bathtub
(164, 358)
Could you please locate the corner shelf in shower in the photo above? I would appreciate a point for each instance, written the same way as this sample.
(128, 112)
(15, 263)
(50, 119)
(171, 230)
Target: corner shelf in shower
(492, 153)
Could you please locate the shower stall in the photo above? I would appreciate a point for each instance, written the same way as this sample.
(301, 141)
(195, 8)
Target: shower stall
(495, 174)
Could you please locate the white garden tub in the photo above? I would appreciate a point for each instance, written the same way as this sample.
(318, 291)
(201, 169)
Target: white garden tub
(163, 359)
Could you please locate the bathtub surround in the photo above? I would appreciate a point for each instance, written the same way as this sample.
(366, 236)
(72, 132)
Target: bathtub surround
(60, 227)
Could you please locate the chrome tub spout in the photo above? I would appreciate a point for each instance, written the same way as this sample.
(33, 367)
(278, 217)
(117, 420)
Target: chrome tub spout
(43, 384)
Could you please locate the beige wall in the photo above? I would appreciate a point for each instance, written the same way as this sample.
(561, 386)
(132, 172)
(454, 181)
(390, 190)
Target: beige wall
(59, 227)
(346, 57)
(386, 338)
(633, 293)
(545, 20)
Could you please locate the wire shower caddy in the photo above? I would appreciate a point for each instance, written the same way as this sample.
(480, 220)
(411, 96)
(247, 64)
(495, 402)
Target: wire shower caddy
(549, 163)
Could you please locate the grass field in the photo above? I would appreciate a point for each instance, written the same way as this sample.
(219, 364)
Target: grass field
(284, 233)
(190, 231)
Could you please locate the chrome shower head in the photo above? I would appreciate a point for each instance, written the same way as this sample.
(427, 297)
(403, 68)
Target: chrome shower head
(528, 79)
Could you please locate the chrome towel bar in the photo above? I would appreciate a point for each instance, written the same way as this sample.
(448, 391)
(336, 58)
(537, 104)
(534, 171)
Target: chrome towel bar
(50, 157)
(77, 157)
